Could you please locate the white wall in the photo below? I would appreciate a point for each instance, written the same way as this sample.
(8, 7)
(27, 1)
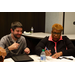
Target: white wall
(69, 28)
(52, 18)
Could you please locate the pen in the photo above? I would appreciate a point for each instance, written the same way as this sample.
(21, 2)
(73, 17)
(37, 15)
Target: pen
(65, 58)
(68, 58)
(48, 51)
(47, 48)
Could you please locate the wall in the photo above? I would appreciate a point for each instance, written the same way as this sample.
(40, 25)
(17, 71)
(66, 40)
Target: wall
(69, 27)
(52, 18)
(28, 19)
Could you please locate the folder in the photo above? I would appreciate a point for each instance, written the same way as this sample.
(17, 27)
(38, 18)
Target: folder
(22, 58)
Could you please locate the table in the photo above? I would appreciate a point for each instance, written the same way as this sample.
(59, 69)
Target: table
(38, 35)
(41, 35)
(48, 59)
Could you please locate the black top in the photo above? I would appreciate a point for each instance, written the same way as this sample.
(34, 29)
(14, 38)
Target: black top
(61, 46)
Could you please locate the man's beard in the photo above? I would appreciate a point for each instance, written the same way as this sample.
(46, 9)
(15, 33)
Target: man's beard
(16, 36)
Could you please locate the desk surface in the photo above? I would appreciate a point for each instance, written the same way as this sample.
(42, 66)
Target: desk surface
(41, 35)
(48, 59)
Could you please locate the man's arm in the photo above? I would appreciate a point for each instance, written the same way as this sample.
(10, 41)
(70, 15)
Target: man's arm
(13, 46)
(26, 49)
(3, 43)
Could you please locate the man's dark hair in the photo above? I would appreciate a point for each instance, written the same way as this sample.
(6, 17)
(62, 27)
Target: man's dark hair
(16, 24)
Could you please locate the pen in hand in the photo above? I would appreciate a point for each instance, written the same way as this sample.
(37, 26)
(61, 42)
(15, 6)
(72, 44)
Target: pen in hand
(48, 52)
(47, 48)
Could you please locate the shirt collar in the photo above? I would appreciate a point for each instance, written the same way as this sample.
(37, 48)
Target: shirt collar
(50, 38)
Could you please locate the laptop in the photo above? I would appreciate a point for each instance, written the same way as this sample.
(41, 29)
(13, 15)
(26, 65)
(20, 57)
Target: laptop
(22, 58)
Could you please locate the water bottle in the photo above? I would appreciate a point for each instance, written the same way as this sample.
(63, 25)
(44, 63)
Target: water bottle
(32, 29)
(43, 56)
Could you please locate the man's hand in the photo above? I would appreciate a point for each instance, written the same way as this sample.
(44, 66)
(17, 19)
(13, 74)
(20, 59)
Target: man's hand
(27, 50)
(2, 52)
(13, 46)
(56, 55)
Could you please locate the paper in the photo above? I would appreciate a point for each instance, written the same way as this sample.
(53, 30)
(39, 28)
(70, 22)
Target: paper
(8, 60)
(50, 59)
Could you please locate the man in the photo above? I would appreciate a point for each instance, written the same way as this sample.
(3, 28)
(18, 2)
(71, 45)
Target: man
(14, 43)
(56, 44)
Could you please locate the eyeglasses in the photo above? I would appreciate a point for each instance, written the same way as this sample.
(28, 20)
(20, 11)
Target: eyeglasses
(56, 33)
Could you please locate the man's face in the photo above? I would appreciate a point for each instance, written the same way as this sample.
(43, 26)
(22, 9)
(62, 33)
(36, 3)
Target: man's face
(56, 35)
(17, 32)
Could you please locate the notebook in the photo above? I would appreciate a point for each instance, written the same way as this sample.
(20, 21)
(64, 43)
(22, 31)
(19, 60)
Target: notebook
(22, 58)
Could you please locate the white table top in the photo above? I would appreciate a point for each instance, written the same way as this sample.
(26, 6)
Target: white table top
(37, 35)
(48, 59)
(41, 35)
